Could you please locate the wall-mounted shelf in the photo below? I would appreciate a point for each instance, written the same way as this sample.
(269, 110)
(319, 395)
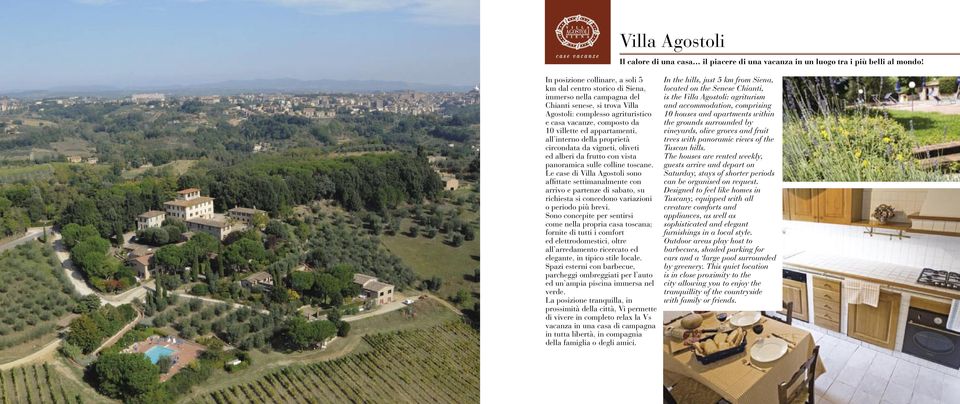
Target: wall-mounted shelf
(878, 225)
(935, 219)
(939, 218)
(873, 226)
(934, 232)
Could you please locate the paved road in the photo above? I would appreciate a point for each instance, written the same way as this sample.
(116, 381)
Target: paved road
(383, 309)
(32, 234)
(138, 292)
(75, 277)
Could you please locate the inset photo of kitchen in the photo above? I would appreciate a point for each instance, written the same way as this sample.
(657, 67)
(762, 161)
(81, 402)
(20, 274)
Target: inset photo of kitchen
(870, 311)
(874, 275)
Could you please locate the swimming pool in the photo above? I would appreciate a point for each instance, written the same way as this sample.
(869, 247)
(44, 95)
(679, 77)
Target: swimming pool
(158, 352)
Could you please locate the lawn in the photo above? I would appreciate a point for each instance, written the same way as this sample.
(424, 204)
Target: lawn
(929, 127)
(433, 257)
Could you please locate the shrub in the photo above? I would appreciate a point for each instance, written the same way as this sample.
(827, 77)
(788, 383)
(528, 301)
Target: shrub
(87, 304)
(856, 147)
(188, 332)
(71, 351)
(200, 289)
(343, 329)
(222, 308)
(164, 363)
(212, 343)
(182, 310)
(161, 320)
(948, 85)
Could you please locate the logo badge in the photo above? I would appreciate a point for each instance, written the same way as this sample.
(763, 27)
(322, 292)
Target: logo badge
(577, 32)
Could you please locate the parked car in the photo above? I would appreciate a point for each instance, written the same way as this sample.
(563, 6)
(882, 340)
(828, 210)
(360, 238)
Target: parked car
(408, 302)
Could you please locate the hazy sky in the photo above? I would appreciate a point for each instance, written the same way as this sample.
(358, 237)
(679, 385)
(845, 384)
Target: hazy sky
(54, 43)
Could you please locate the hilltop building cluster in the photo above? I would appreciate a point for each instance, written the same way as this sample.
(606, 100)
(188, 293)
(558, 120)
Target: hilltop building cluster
(197, 212)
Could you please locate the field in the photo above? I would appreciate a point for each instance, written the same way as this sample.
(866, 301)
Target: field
(25, 173)
(429, 313)
(42, 384)
(34, 296)
(929, 127)
(73, 146)
(439, 364)
(177, 167)
(432, 257)
(38, 122)
(193, 318)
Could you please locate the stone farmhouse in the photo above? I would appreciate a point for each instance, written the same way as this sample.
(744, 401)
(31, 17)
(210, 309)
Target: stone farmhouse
(372, 288)
(198, 214)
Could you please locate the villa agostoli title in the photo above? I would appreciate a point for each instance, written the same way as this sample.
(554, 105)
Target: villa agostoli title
(676, 43)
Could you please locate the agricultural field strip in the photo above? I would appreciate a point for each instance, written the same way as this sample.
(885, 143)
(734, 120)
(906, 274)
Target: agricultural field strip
(398, 361)
(443, 367)
(394, 370)
(252, 394)
(278, 389)
(357, 370)
(284, 380)
(24, 271)
(334, 394)
(319, 389)
(31, 384)
(406, 362)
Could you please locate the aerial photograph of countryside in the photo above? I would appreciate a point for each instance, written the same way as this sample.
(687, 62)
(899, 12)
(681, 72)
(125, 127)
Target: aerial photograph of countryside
(240, 202)
(871, 129)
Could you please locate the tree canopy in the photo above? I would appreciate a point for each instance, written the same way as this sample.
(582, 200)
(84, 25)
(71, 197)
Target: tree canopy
(303, 334)
(125, 375)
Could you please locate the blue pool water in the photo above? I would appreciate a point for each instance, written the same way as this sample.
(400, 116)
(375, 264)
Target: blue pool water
(158, 352)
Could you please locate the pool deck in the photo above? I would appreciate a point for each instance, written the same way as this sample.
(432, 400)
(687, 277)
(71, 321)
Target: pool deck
(948, 106)
(184, 351)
